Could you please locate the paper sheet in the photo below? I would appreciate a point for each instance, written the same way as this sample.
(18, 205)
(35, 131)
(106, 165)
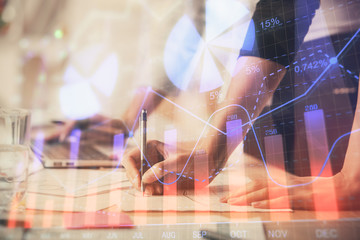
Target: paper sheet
(75, 189)
(76, 182)
(69, 203)
(84, 190)
(210, 201)
(135, 201)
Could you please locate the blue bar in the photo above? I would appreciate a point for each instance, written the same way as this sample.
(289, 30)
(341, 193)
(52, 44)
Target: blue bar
(234, 134)
(318, 147)
(274, 150)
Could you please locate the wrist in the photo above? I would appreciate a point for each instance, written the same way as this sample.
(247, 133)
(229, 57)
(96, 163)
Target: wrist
(125, 127)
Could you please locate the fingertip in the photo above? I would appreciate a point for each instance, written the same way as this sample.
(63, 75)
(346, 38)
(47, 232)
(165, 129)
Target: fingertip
(260, 204)
(149, 190)
(224, 199)
(151, 175)
(135, 181)
(146, 178)
(158, 189)
(237, 201)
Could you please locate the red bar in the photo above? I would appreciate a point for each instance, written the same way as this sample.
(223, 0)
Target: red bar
(170, 140)
(274, 150)
(318, 149)
(202, 195)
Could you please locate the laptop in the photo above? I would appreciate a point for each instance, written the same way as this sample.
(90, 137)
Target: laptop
(76, 154)
(64, 155)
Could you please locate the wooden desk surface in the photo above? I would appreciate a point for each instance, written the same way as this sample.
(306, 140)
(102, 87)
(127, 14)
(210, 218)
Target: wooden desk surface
(53, 222)
(52, 219)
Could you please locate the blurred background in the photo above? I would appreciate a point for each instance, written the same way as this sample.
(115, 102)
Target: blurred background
(73, 59)
(52, 50)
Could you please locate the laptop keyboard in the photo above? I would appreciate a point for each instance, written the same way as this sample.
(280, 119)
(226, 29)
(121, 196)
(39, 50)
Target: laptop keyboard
(64, 151)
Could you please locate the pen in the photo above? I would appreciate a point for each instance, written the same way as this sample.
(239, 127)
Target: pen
(143, 119)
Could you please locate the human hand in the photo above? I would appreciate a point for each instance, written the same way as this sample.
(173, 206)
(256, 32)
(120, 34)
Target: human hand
(266, 194)
(259, 193)
(98, 128)
(164, 160)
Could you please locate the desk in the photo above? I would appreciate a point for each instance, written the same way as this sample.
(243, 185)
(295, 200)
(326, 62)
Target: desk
(189, 225)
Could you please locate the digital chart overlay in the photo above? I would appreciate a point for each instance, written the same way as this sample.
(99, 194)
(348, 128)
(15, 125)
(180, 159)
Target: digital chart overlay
(333, 61)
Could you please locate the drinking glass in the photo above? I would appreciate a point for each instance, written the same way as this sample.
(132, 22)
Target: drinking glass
(14, 156)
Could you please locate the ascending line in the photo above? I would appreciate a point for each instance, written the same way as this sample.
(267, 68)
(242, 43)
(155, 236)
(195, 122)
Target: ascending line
(312, 85)
(250, 122)
(261, 153)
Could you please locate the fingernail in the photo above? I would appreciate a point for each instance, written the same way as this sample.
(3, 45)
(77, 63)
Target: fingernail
(148, 192)
(159, 189)
(224, 199)
(134, 183)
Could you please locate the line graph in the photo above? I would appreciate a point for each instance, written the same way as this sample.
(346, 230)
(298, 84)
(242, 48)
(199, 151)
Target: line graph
(265, 114)
(314, 83)
(250, 122)
(261, 153)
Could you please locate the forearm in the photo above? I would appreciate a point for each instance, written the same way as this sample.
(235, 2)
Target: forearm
(143, 98)
(352, 164)
(248, 94)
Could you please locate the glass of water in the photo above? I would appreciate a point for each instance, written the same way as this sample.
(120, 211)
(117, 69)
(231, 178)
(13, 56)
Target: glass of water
(14, 156)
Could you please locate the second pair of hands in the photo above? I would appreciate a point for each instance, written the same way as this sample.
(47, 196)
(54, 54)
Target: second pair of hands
(98, 128)
(338, 192)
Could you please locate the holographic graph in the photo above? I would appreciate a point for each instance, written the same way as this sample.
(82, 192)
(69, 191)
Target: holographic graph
(190, 58)
(333, 61)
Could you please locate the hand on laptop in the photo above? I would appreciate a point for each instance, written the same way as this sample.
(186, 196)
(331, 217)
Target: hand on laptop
(98, 128)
